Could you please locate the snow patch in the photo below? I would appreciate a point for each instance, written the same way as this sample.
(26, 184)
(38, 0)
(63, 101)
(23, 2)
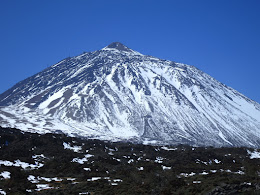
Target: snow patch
(82, 160)
(169, 149)
(166, 168)
(254, 154)
(140, 168)
(2, 192)
(24, 165)
(74, 148)
(5, 175)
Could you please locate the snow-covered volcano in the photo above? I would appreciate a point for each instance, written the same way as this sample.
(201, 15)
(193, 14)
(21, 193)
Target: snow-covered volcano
(117, 93)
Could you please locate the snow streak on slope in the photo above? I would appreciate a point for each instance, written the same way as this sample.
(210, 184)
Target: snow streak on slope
(117, 93)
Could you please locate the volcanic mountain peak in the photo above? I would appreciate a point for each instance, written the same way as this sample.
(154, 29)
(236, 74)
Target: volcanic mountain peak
(117, 46)
(118, 93)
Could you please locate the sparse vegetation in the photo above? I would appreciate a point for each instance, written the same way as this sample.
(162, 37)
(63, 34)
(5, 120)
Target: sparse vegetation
(40, 164)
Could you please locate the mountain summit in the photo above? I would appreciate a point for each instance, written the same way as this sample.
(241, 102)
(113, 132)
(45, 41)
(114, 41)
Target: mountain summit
(119, 46)
(117, 93)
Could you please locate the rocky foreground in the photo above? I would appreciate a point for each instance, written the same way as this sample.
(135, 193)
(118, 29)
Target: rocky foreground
(32, 163)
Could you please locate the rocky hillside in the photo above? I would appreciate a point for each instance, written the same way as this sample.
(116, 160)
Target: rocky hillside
(33, 163)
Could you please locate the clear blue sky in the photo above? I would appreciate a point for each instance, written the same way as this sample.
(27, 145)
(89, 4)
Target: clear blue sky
(220, 37)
